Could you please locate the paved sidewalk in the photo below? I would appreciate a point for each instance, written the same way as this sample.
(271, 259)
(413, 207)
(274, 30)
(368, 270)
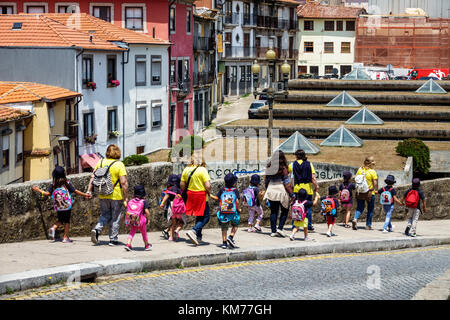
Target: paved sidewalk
(29, 264)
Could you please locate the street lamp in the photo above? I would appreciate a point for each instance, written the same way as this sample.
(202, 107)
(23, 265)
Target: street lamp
(285, 70)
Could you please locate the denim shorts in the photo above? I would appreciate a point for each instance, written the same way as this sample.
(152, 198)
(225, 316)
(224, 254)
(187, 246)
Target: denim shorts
(226, 219)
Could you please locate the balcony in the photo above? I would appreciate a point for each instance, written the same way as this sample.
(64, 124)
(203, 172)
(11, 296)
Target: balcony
(183, 88)
(231, 18)
(204, 43)
(239, 52)
(267, 22)
(249, 19)
(203, 78)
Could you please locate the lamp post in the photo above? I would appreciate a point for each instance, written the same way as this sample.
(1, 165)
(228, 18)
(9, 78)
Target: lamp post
(285, 69)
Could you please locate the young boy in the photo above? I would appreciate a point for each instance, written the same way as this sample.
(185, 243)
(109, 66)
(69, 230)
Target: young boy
(388, 195)
(254, 208)
(302, 198)
(330, 207)
(229, 210)
(412, 199)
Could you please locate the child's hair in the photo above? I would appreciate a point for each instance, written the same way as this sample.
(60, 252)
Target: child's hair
(59, 177)
(230, 180)
(255, 180)
(301, 195)
(139, 192)
(347, 176)
(173, 180)
(332, 190)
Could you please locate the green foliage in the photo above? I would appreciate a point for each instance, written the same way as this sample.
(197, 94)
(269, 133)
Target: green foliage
(188, 143)
(419, 151)
(135, 160)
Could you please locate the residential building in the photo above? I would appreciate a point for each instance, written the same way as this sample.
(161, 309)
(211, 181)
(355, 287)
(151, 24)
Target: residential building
(46, 134)
(205, 65)
(434, 8)
(12, 125)
(250, 28)
(326, 38)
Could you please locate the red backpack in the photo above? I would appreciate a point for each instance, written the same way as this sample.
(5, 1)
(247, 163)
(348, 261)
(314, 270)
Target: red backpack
(412, 199)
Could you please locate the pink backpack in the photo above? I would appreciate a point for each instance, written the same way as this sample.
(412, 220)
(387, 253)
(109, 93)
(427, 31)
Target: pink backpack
(135, 207)
(178, 206)
(298, 212)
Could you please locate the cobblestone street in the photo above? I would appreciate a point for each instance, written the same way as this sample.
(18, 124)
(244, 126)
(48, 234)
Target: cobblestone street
(390, 275)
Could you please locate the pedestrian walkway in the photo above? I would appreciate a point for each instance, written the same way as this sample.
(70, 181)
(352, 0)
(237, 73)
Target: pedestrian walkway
(30, 264)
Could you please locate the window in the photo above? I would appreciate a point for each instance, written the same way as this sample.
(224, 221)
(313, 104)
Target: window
(19, 145)
(345, 70)
(188, 21)
(345, 47)
(172, 17)
(186, 115)
(140, 149)
(111, 69)
(141, 116)
(6, 9)
(87, 69)
(314, 70)
(308, 25)
(51, 116)
(328, 47)
(242, 73)
(62, 9)
(186, 69)
(328, 69)
(339, 25)
(329, 25)
(309, 46)
(173, 71)
(156, 70)
(350, 25)
(35, 9)
(156, 115)
(102, 12)
(112, 120)
(5, 151)
(88, 124)
(302, 69)
(134, 18)
(141, 68)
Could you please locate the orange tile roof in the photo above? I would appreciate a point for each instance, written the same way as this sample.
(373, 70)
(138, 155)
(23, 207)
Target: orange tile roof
(314, 9)
(103, 29)
(9, 114)
(13, 92)
(41, 31)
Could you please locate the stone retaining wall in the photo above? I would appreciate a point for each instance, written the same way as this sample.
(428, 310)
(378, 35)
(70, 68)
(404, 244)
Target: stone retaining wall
(25, 216)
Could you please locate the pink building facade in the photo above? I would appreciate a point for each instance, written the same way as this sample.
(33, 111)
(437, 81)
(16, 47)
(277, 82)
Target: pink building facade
(164, 19)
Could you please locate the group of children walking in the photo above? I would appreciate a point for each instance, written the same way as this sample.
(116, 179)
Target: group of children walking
(230, 207)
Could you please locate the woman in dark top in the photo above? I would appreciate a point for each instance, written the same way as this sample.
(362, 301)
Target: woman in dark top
(279, 191)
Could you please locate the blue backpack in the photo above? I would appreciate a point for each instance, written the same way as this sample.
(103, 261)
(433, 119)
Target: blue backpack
(386, 197)
(228, 200)
(248, 197)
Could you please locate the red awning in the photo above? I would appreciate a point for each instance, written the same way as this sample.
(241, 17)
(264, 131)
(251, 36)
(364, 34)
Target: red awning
(89, 160)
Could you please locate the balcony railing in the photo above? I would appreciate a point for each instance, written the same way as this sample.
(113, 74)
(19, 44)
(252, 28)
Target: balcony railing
(239, 52)
(184, 87)
(231, 18)
(203, 78)
(204, 43)
(249, 19)
(267, 22)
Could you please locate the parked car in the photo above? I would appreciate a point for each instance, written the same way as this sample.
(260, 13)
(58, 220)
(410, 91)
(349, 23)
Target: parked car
(305, 76)
(401, 78)
(263, 95)
(330, 76)
(428, 78)
(255, 106)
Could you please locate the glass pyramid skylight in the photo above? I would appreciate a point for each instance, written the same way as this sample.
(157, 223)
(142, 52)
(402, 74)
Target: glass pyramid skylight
(344, 100)
(298, 141)
(342, 137)
(364, 116)
(431, 87)
(357, 74)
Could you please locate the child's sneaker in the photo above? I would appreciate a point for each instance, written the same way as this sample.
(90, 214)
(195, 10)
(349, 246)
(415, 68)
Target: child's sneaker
(281, 233)
(51, 234)
(67, 240)
(407, 231)
(224, 245)
(258, 228)
(412, 235)
(328, 234)
(309, 239)
(148, 247)
(231, 242)
(94, 236)
(171, 239)
(165, 234)
(291, 237)
(251, 229)
(128, 247)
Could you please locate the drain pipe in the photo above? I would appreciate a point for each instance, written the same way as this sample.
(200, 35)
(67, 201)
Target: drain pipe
(123, 98)
(169, 49)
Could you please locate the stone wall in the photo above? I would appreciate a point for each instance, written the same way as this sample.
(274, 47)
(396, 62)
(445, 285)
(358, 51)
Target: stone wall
(24, 215)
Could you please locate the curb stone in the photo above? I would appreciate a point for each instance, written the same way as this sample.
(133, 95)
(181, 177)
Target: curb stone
(82, 271)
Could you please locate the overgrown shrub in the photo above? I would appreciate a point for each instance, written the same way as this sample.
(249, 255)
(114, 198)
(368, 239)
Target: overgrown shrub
(188, 143)
(419, 151)
(135, 160)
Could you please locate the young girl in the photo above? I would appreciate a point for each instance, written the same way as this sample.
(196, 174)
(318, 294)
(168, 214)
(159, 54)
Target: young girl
(144, 217)
(330, 206)
(346, 196)
(177, 220)
(301, 196)
(256, 209)
(61, 191)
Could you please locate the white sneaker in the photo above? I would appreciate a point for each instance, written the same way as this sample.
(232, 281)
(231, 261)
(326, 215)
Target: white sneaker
(191, 235)
(273, 234)
(328, 234)
(51, 234)
(309, 239)
(292, 237)
(281, 233)
(385, 231)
